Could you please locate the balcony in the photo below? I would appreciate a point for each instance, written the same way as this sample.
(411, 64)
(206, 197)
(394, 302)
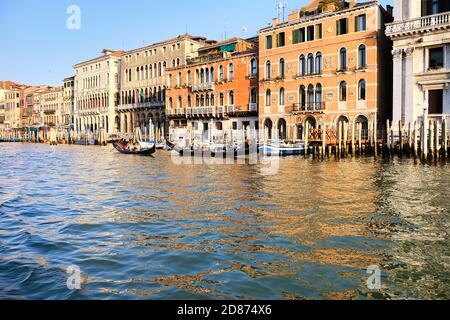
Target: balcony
(418, 25)
(209, 86)
(140, 106)
(253, 107)
(304, 108)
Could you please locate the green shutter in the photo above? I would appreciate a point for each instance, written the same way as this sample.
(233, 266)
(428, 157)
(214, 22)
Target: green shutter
(346, 25)
(295, 36)
(338, 31)
(357, 24)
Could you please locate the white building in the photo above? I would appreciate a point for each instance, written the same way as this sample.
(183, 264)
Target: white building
(97, 92)
(421, 35)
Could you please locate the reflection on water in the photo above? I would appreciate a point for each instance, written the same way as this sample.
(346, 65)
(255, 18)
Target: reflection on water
(145, 228)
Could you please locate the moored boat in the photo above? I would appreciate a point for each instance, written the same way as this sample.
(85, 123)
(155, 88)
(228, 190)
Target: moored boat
(282, 149)
(142, 149)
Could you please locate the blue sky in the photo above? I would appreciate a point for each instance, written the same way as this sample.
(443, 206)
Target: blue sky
(37, 48)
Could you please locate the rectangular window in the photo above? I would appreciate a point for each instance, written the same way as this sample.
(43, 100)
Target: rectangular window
(302, 35)
(281, 39)
(342, 26)
(436, 58)
(319, 31)
(435, 100)
(360, 23)
(310, 33)
(295, 36)
(268, 42)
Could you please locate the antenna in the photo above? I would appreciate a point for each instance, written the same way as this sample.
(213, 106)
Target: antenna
(281, 8)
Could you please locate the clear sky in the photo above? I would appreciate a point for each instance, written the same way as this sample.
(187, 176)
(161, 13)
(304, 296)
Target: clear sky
(38, 48)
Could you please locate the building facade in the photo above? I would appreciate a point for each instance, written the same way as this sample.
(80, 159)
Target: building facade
(51, 107)
(12, 121)
(421, 35)
(96, 89)
(143, 82)
(327, 64)
(214, 97)
(69, 102)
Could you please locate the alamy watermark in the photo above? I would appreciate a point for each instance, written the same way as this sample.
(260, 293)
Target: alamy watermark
(74, 278)
(374, 280)
(74, 20)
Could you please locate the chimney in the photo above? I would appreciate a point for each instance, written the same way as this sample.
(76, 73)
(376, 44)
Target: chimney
(274, 22)
(293, 15)
(390, 10)
(352, 3)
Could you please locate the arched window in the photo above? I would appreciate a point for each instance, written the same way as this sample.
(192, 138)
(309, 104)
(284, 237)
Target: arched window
(268, 98)
(362, 89)
(207, 100)
(189, 102)
(197, 101)
(220, 73)
(178, 62)
(319, 63)
(202, 76)
(253, 67)
(362, 56)
(180, 103)
(310, 63)
(310, 95)
(302, 66)
(231, 98)
(211, 74)
(188, 78)
(343, 91)
(170, 80)
(268, 70)
(231, 72)
(319, 96)
(221, 98)
(281, 71)
(302, 97)
(212, 100)
(170, 103)
(282, 97)
(253, 96)
(180, 78)
(343, 59)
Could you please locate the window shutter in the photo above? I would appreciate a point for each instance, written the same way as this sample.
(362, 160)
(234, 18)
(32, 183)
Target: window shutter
(346, 25)
(357, 26)
(337, 28)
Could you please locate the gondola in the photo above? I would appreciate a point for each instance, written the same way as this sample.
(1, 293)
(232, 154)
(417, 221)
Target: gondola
(124, 149)
(169, 146)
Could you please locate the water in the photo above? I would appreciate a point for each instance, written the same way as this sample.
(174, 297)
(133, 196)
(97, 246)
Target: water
(146, 228)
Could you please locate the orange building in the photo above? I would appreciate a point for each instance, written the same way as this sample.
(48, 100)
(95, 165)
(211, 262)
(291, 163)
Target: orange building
(328, 63)
(214, 97)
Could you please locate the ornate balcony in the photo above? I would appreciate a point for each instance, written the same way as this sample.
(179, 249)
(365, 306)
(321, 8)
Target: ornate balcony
(418, 25)
(140, 106)
(313, 107)
(209, 86)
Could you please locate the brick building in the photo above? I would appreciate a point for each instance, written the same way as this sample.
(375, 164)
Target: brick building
(215, 95)
(328, 63)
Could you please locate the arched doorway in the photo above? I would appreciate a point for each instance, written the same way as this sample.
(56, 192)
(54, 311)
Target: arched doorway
(268, 125)
(282, 129)
(365, 126)
(125, 123)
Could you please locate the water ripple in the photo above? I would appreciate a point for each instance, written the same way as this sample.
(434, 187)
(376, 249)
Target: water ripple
(144, 228)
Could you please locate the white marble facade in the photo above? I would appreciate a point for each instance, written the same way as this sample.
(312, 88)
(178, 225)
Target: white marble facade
(421, 36)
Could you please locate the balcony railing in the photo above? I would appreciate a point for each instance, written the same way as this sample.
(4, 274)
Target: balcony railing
(134, 106)
(420, 24)
(203, 86)
(253, 107)
(309, 107)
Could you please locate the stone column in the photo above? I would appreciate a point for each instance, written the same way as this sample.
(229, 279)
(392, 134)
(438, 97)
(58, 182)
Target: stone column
(398, 85)
(409, 87)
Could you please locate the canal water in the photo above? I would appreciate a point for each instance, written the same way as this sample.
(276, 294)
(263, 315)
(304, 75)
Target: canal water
(148, 228)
